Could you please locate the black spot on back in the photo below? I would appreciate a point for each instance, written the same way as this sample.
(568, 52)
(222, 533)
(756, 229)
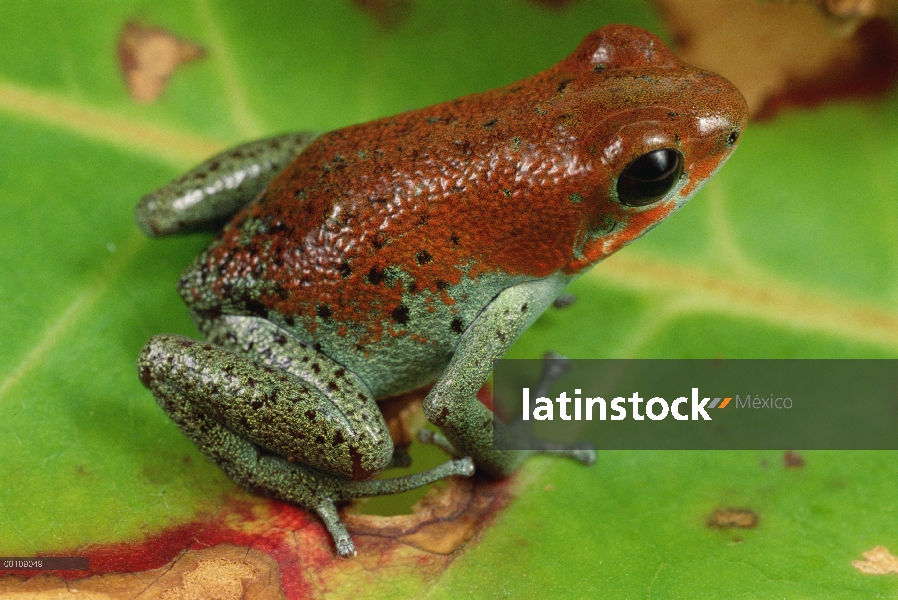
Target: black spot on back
(255, 307)
(375, 276)
(209, 314)
(401, 314)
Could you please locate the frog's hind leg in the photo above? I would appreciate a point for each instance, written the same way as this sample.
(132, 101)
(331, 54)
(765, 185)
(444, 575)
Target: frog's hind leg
(206, 197)
(265, 427)
(340, 431)
(344, 490)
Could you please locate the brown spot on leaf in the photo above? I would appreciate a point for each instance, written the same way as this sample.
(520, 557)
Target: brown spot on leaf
(149, 55)
(877, 561)
(724, 518)
(793, 460)
(213, 578)
(783, 54)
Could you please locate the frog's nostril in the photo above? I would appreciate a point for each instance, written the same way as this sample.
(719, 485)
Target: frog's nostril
(733, 137)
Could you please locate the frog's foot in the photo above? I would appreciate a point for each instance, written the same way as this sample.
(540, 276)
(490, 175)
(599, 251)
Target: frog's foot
(396, 485)
(347, 490)
(520, 435)
(554, 367)
(327, 512)
(341, 489)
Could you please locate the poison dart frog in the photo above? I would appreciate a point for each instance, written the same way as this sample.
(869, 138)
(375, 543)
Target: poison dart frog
(376, 259)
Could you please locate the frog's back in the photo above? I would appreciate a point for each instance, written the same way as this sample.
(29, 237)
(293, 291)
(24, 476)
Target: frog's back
(384, 241)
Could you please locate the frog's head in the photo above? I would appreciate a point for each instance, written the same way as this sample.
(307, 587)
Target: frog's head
(655, 128)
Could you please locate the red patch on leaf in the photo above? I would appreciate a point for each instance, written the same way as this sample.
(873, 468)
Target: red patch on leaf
(295, 542)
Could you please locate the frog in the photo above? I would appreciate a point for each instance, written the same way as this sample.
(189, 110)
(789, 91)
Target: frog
(411, 251)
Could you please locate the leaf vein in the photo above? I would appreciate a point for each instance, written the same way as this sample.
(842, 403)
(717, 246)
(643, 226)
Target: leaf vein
(768, 300)
(171, 146)
(54, 332)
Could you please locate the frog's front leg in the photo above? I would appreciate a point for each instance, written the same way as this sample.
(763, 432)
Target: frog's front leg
(452, 403)
(274, 433)
(206, 197)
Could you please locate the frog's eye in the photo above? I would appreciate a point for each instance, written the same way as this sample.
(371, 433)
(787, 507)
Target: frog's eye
(649, 177)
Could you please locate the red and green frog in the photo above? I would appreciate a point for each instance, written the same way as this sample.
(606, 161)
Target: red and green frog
(373, 260)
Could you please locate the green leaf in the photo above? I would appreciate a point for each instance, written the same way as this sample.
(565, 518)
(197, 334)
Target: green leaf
(791, 251)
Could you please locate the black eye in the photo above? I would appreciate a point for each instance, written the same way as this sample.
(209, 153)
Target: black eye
(649, 177)
(733, 137)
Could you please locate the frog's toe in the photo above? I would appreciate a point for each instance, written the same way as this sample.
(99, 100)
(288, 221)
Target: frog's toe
(463, 466)
(587, 457)
(345, 547)
(564, 300)
(328, 513)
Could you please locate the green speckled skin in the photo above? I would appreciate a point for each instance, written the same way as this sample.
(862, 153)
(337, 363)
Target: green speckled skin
(373, 260)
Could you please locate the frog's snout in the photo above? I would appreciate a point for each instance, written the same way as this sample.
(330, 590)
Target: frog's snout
(731, 107)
